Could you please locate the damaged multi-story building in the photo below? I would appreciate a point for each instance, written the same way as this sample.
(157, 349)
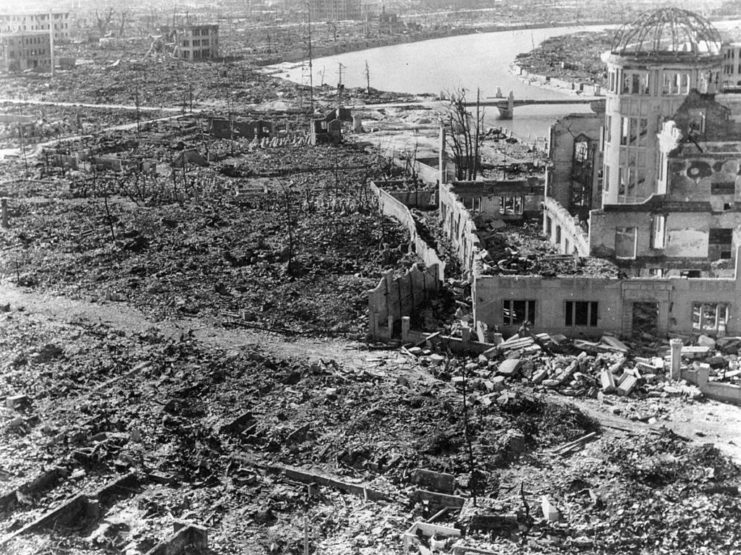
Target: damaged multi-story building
(14, 22)
(29, 50)
(197, 42)
(650, 188)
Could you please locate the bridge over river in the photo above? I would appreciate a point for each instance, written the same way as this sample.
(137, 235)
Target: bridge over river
(506, 106)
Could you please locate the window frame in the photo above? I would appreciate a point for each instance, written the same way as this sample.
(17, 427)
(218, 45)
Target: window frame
(721, 316)
(572, 310)
(509, 310)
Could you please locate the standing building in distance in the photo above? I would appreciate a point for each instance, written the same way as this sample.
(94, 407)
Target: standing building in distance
(198, 42)
(28, 22)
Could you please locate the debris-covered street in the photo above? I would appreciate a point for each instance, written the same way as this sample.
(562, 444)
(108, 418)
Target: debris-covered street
(225, 430)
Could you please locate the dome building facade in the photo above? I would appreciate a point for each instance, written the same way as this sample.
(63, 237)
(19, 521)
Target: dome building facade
(652, 66)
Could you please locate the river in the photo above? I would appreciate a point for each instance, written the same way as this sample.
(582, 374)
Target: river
(474, 61)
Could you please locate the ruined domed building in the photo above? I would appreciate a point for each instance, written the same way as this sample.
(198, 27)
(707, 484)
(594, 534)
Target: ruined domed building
(653, 184)
(663, 195)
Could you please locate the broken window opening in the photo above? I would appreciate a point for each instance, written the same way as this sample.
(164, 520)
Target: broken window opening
(658, 237)
(625, 242)
(581, 313)
(709, 316)
(511, 205)
(720, 243)
(518, 312)
(624, 130)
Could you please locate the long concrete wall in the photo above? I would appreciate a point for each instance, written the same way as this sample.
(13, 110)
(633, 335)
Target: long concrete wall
(394, 208)
(396, 297)
(459, 227)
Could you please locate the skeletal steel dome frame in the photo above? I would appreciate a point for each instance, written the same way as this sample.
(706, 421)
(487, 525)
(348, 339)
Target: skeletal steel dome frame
(667, 32)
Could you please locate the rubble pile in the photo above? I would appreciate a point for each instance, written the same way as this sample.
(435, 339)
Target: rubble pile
(269, 452)
(521, 249)
(299, 257)
(610, 370)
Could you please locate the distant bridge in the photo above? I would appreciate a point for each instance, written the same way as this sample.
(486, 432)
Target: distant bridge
(507, 105)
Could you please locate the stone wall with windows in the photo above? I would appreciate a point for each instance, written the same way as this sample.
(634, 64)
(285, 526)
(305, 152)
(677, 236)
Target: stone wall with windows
(665, 238)
(588, 306)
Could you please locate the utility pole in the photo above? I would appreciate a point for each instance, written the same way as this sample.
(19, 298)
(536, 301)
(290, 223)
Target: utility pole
(339, 83)
(311, 67)
(339, 73)
(367, 77)
(476, 134)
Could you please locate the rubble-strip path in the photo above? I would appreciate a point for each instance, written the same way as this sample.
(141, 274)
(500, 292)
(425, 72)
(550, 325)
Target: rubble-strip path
(708, 422)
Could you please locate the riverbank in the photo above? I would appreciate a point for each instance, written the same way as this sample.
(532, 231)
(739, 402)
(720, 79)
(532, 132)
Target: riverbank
(300, 55)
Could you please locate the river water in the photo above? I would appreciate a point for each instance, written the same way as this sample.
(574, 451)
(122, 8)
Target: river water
(480, 60)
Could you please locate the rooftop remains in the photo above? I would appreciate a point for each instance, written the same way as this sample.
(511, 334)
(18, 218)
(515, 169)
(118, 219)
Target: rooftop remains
(670, 32)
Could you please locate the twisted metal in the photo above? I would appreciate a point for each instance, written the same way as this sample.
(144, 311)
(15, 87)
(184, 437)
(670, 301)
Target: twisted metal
(665, 32)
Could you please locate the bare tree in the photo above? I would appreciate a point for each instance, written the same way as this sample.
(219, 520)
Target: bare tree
(465, 135)
(104, 20)
(122, 25)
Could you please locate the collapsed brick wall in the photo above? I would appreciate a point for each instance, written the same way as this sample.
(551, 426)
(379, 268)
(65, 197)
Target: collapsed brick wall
(395, 297)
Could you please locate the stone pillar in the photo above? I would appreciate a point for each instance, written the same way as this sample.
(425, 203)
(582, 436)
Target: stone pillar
(406, 324)
(676, 358)
(357, 124)
(466, 334)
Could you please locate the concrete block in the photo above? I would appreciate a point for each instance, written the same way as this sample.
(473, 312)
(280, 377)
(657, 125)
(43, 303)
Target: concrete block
(699, 351)
(68, 513)
(498, 382)
(440, 500)
(706, 341)
(607, 379)
(509, 367)
(435, 481)
(121, 485)
(550, 511)
(551, 383)
(487, 515)
(614, 343)
(627, 385)
(310, 477)
(188, 539)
